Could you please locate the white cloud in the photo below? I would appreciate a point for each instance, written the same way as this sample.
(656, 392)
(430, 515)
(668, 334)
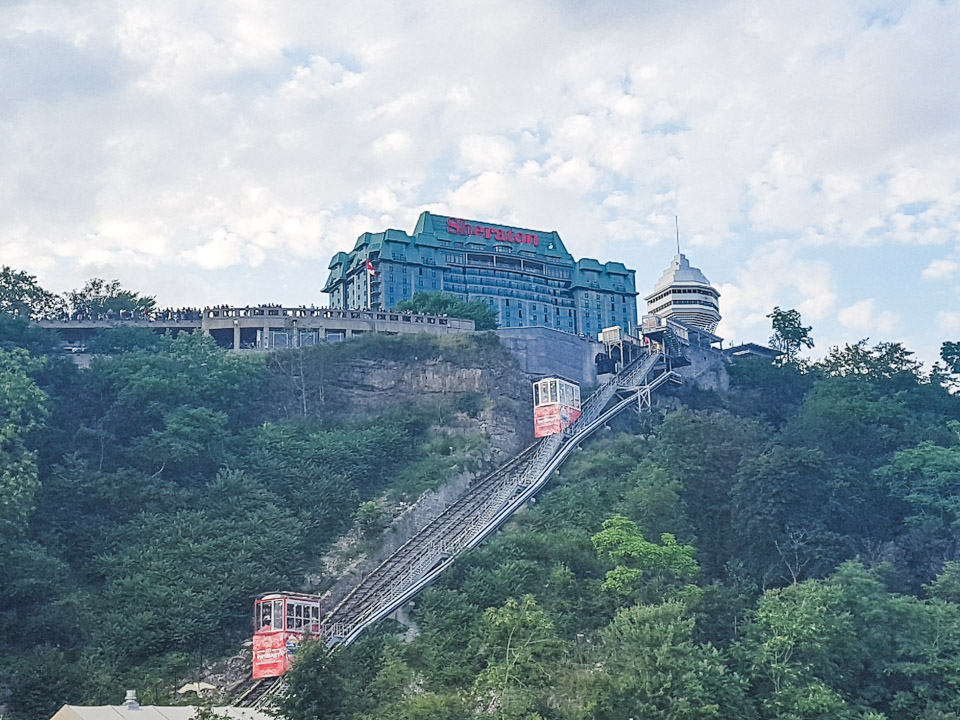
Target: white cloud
(862, 317)
(774, 276)
(479, 153)
(940, 269)
(238, 135)
(948, 324)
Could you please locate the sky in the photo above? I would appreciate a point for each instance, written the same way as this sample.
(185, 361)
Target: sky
(220, 152)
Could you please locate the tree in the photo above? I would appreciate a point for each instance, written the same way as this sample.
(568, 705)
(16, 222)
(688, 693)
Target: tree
(789, 334)
(799, 635)
(883, 362)
(21, 295)
(122, 339)
(652, 670)
(23, 410)
(16, 331)
(315, 685)
(437, 303)
(519, 643)
(927, 477)
(784, 502)
(703, 451)
(99, 297)
(642, 565)
(950, 354)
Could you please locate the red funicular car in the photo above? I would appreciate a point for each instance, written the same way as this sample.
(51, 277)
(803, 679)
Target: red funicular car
(280, 622)
(556, 405)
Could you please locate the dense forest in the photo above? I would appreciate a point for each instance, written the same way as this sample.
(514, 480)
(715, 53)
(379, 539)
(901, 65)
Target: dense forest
(786, 548)
(146, 499)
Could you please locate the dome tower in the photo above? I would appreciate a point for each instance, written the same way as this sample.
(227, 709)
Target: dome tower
(684, 293)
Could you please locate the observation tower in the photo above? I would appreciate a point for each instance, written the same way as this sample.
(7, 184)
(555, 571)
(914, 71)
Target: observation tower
(683, 293)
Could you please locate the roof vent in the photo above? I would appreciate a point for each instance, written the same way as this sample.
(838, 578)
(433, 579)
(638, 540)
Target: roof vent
(130, 701)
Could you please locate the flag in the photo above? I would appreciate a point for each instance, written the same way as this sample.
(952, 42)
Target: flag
(373, 273)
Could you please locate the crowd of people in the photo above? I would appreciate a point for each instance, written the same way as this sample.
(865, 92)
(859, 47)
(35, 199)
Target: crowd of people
(152, 315)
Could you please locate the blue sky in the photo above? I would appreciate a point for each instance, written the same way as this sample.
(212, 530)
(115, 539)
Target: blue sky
(212, 152)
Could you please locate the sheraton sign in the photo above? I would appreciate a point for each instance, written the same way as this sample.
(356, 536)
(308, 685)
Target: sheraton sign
(456, 226)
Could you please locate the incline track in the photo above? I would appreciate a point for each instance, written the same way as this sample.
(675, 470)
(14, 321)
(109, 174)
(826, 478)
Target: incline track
(255, 693)
(473, 517)
(484, 507)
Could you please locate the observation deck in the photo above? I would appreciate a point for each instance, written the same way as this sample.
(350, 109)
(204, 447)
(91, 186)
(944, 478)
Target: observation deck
(264, 327)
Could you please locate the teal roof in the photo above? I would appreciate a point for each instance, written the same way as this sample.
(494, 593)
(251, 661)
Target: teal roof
(607, 277)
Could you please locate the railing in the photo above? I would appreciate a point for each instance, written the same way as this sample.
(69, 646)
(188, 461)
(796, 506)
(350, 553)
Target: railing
(464, 526)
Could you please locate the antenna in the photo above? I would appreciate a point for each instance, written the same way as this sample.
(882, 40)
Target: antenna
(676, 221)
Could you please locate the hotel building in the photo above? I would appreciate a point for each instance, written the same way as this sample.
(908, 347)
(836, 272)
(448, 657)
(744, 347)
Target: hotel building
(526, 276)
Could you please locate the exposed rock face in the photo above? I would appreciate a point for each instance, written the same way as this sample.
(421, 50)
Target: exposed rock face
(482, 392)
(472, 374)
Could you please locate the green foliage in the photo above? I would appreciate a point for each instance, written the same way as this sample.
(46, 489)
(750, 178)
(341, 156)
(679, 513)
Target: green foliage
(785, 504)
(122, 339)
(99, 297)
(371, 518)
(768, 392)
(702, 452)
(789, 334)
(220, 555)
(518, 645)
(438, 303)
(150, 495)
(16, 331)
(21, 295)
(315, 685)
(23, 410)
(652, 669)
(659, 569)
(440, 459)
(885, 361)
(950, 354)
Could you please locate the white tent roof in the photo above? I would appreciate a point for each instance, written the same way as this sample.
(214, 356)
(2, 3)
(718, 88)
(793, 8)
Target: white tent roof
(151, 712)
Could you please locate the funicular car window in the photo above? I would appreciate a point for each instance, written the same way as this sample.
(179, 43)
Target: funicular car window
(264, 619)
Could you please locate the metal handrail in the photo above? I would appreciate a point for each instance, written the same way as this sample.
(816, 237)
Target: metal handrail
(504, 498)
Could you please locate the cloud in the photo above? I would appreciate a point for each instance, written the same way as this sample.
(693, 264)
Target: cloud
(774, 276)
(862, 317)
(948, 324)
(261, 134)
(941, 269)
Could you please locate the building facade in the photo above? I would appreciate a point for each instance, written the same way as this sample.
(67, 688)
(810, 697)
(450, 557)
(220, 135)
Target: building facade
(526, 276)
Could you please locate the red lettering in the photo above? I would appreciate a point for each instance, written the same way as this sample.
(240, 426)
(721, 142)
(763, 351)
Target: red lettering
(456, 226)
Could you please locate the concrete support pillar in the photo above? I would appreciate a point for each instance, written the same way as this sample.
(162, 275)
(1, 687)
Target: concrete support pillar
(236, 334)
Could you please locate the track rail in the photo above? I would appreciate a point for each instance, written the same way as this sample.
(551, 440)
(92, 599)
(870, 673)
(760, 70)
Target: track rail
(473, 517)
(257, 693)
(482, 509)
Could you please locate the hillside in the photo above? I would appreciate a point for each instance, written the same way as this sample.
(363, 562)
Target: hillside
(783, 549)
(147, 498)
(782, 546)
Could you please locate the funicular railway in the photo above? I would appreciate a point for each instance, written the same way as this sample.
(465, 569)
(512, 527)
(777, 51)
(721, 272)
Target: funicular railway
(484, 507)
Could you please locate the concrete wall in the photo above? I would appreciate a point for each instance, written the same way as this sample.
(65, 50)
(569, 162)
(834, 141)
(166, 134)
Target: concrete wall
(707, 369)
(544, 351)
